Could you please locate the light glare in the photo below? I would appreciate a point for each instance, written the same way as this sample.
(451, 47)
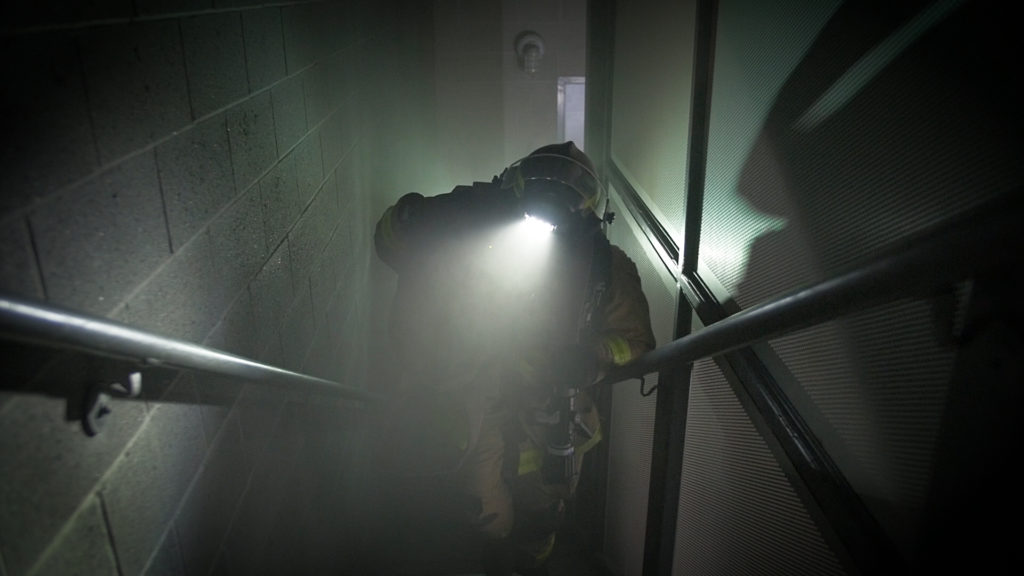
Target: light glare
(536, 226)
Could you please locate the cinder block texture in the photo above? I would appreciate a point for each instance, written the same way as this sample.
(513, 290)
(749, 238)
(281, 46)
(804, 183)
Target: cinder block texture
(196, 177)
(289, 113)
(215, 60)
(311, 234)
(321, 359)
(47, 141)
(297, 332)
(316, 89)
(339, 314)
(18, 272)
(236, 331)
(259, 410)
(251, 132)
(279, 195)
(332, 28)
(272, 294)
(273, 353)
(263, 505)
(161, 167)
(178, 300)
(210, 505)
(299, 44)
(369, 16)
(166, 561)
(325, 275)
(142, 492)
(84, 548)
(97, 241)
(337, 134)
(217, 396)
(238, 244)
(135, 77)
(349, 184)
(264, 46)
(293, 519)
(341, 75)
(309, 166)
(41, 487)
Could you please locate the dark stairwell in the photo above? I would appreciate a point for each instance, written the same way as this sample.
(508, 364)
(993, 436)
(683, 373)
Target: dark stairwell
(210, 171)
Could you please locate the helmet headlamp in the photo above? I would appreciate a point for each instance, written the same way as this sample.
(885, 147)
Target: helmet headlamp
(553, 187)
(549, 202)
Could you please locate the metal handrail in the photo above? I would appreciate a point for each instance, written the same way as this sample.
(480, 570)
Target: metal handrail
(954, 252)
(950, 254)
(52, 326)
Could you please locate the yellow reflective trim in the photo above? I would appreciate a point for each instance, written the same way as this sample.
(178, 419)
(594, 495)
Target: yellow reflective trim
(589, 201)
(518, 183)
(549, 546)
(530, 460)
(590, 443)
(620, 350)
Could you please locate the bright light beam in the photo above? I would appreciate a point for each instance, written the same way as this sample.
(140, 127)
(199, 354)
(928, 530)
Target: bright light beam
(522, 249)
(535, 227)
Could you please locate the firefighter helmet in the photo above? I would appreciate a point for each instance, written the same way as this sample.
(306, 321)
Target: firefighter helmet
(555, 180)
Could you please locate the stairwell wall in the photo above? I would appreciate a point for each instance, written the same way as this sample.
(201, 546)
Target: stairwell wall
(204, 170)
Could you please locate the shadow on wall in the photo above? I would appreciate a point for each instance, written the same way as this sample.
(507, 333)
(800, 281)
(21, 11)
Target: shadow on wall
(71, 376)
(898, 118)
(265, 479)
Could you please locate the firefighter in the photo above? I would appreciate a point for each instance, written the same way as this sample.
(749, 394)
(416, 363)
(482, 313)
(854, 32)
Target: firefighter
(499, 334)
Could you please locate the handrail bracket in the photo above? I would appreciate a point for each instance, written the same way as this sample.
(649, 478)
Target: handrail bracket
(97, 410)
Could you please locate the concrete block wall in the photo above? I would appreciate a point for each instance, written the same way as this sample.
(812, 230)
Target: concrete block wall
(205, 170)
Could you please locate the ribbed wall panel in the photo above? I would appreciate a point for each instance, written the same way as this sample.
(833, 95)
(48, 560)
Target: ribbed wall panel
(629, 475)
(919, 131)
(836, 129)
(738, 513)
(877, 383)
(758, 45)
(658, 286)
(652, 87)
(631, 430)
